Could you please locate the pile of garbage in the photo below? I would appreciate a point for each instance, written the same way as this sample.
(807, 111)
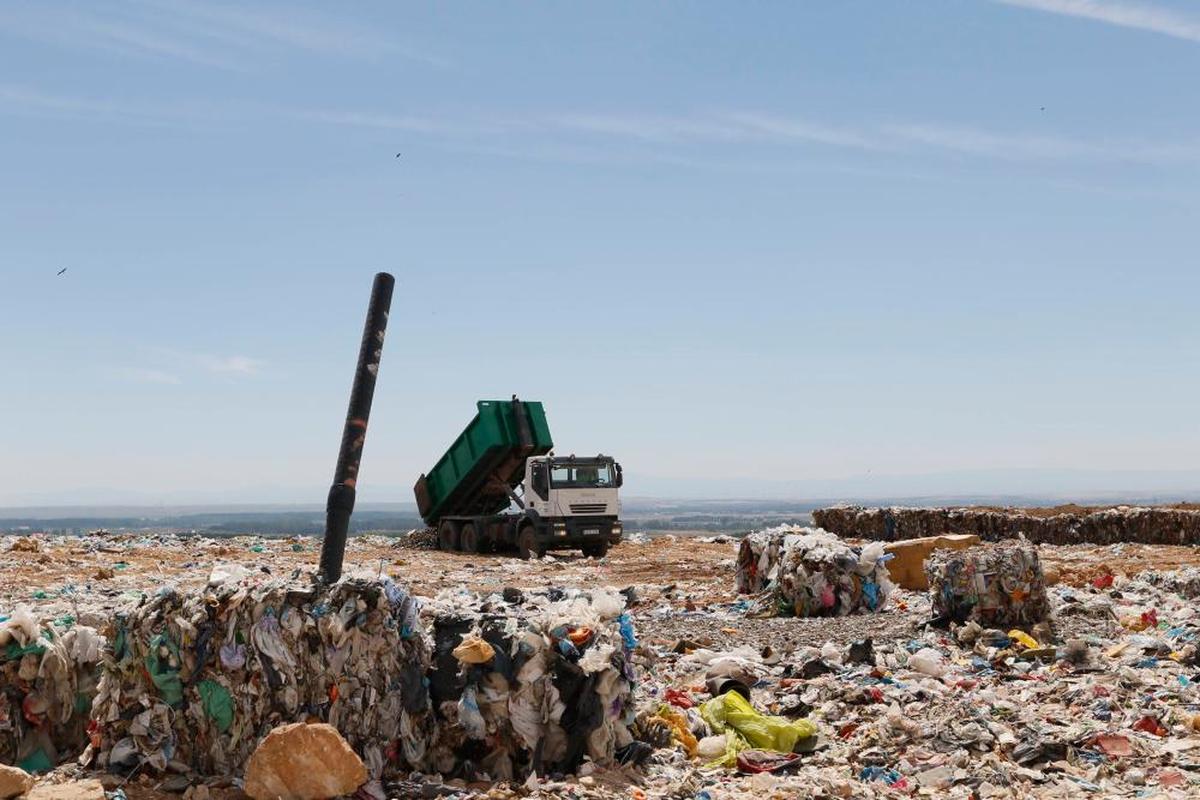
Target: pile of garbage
(48, 676)
(995, 584)
(1103, 526)
(809, 572)
(531, 682)
(193, 680)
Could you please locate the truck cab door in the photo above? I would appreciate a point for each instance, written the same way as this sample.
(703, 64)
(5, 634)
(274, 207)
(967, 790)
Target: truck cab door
(539, 484)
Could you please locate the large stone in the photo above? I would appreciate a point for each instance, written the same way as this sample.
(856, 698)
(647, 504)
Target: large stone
(303, 762)
(71, 790)
(14, 782)
(907, 569)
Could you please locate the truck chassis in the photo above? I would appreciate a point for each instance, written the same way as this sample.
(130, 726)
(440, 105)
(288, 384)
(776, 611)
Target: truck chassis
(529, 533)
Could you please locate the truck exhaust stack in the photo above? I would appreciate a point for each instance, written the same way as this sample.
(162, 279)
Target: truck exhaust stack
(340, 504)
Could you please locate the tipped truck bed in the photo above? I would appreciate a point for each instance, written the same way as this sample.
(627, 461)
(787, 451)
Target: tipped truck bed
(486, 461)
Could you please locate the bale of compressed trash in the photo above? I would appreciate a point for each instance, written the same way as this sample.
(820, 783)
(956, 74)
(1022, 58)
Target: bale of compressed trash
(997, 585)
(809, 572)
(531, 682)
(48, 676)
(193, 680)
(758, 560)
(1070, 525)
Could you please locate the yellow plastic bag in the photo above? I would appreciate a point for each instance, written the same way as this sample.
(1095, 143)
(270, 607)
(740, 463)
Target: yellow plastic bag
(679, 728)
(1024, 639)
(732, 711)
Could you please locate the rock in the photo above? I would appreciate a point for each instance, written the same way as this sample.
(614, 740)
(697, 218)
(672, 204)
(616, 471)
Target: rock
(72, 790)
(303, 762)
(14, 782)
(907, 568)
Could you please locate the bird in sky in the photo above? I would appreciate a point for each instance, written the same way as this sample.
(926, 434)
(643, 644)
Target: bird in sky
(61, 271)
(397, 155)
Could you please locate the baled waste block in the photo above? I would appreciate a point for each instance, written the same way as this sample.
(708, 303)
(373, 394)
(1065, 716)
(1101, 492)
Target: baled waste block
(194, 680)
(1070, 525)
(531, 682)
(811, 573)
(998, 585)
(758, 560)
(48, 676)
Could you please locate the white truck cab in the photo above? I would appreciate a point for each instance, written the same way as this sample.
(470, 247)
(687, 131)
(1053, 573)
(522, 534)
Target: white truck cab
(574, 498)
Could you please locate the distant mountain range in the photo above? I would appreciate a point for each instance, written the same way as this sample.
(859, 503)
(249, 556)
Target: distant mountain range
(649, 503)
(1035, 485)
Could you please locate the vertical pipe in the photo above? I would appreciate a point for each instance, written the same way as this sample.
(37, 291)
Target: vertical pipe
(340, 503)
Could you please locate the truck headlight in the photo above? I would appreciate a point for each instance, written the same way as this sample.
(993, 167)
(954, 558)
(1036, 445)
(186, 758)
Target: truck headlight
(616, 527)
(560, 529)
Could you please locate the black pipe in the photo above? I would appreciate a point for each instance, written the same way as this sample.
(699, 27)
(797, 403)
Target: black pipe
(340, 504)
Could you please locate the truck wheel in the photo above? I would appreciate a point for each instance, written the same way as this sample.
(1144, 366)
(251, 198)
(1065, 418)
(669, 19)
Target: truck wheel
(596, 550)
(527, 544)
(448, 536)
(468, 539)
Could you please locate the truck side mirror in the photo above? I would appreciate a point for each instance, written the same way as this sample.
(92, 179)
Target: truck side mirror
(620, 477)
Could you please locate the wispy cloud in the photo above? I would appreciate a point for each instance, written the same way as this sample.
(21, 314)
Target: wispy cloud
(618, 136)
(143, 375)
(207, 34)
(237, 365)
(369, 119)
(1016, 146)
(1139, 16)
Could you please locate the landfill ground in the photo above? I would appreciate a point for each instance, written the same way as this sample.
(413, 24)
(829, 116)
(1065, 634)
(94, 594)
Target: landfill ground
(1120, 718)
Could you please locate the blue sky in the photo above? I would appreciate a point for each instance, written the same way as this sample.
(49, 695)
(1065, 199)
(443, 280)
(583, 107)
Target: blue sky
(768, 242)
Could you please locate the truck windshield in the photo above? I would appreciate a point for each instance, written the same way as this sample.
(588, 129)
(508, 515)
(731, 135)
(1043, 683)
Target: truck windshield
(581, 476)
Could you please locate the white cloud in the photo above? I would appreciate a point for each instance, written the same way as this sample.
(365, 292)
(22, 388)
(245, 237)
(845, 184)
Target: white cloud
(367, 119)
(593, 136)
(1139, 16)
(142, 375)
(239, 365)
(203, 33)
(1034, 147)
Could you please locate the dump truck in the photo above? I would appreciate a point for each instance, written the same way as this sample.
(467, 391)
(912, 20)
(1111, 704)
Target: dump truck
(500, 486)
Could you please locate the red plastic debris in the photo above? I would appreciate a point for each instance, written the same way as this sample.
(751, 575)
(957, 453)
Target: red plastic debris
(1171, 777)
(1112, 744)
(1150, 725)
(679, 698)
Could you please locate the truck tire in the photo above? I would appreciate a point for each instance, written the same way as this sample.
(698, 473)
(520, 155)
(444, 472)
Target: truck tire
(527, 545)
(468, 538)
(598, 550)
(448, 536)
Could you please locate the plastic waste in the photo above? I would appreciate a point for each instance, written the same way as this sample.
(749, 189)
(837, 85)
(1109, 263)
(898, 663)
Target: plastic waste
(928, 662)
(733, 711)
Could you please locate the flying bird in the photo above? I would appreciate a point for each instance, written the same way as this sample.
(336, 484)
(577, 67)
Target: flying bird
(61, 271)
(397, 155)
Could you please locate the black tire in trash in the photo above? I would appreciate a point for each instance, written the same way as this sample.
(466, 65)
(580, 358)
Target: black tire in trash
(527, 545)
(468, 539)
(598, 550)
(448, 536)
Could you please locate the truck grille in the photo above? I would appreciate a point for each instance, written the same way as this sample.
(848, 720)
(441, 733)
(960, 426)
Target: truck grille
(588, 508)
